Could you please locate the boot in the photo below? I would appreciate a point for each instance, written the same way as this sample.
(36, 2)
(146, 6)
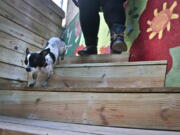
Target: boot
(90, 50)
(91, 47)
(117, 39)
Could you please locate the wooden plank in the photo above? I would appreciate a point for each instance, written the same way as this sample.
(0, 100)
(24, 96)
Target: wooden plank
(138, 110)
(12, 72)
(51, 5)
(17, 129)
(11, 132)
(31, 12)
(11, 57)
(8, 83)
(20, 32)
(97, 90)
(14, 15)
(38, 5)
(113, 75)
(12, 43)
(124, 57)
(84, 128)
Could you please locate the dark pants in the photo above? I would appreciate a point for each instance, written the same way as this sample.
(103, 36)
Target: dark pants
(114, 13)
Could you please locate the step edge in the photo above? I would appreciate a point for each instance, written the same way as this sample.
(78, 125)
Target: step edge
(139, 63)
(97, 90)
(59, 126)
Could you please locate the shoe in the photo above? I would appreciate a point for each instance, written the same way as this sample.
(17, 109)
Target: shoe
(117, 39)
(88, 51)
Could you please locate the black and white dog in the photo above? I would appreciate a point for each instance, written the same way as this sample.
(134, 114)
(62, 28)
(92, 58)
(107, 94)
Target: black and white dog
(45, 60)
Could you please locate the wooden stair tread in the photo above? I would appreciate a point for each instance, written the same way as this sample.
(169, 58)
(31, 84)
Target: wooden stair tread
(106, 58)
(21, 126)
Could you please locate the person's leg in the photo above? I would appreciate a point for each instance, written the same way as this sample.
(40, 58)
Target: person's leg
(89, 20)
(114, 14)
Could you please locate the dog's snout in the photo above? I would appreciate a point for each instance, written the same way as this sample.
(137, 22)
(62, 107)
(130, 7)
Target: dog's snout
(28, 69)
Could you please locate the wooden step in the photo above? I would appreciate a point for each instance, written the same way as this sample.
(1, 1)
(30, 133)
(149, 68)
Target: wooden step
(135, 110)
(113, 75)
(105, 58)
(17, 126)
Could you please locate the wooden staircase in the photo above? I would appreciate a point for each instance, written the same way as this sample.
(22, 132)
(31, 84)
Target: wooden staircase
(97, 90)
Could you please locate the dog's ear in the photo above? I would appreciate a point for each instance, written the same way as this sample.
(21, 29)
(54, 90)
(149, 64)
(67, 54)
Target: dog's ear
(45, 52)
(27, 51)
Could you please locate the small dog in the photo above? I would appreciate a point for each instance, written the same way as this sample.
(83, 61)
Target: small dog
(45, 60)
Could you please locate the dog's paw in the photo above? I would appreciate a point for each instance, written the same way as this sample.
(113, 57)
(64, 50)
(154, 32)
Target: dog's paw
(62, 58)
(57, 62)
(44, 84)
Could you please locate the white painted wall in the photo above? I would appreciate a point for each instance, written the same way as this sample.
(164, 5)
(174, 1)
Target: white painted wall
(62, 4)
(72, 11)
